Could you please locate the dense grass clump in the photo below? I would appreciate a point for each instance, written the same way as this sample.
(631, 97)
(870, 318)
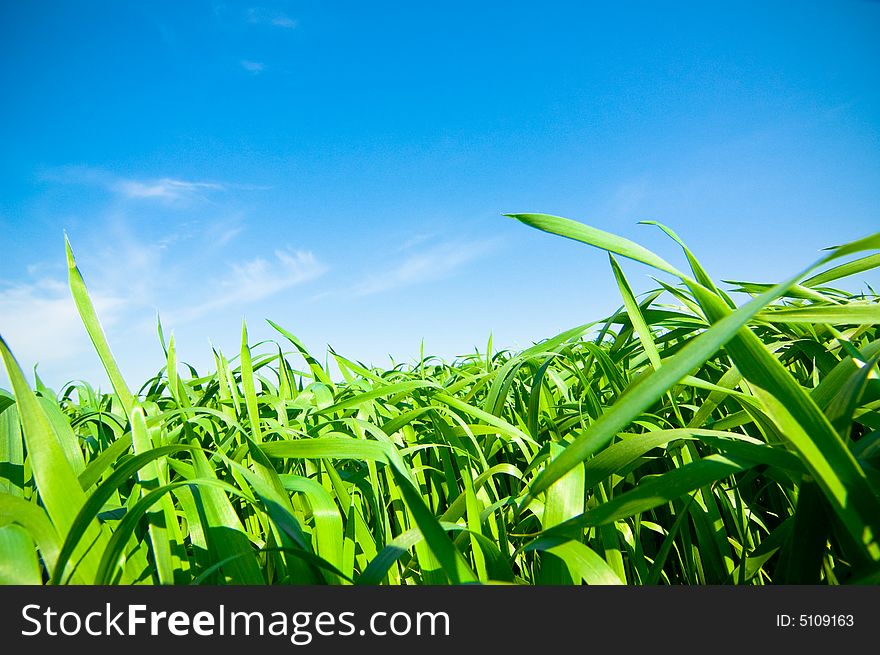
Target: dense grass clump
(686, 439)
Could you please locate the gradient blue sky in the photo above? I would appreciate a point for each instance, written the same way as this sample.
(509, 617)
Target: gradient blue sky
(341, 167)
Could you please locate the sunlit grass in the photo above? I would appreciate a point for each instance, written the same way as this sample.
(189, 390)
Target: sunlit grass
(696, 436)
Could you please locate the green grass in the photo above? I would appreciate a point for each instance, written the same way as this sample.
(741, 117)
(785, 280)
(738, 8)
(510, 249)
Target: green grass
(687, 439)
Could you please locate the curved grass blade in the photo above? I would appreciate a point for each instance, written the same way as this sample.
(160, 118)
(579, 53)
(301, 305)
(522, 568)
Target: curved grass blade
(247, 384)
(849, 314)
(32, 518)
(89, 510)
(328, 533)
(843, 270)
(581, 560)
(379, 566)
(56, 481)
(11, 449)
(126, 527)
(565, 227)
(319, 374)
(333, 447)
(649, 390)
(635, 315)
(224, 531)
(19, 565)
(452, 562)
(655, 491)
(96, 333)
(162, 529)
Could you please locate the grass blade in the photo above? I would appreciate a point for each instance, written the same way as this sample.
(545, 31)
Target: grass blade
(96, 333)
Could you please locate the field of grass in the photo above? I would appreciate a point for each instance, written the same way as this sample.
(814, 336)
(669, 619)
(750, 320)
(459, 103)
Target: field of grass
(687, 439)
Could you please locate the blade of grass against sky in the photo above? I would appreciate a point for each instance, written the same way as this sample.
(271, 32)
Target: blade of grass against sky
(96, 333)
(835, 468)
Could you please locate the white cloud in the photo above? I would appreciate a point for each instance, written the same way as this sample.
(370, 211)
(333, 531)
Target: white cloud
(165, 189)
(253, 66)
(260, 16)
(435, 263)
(412, 242)
(255, 280)
(41, 324)
(227, 235)
(258, 278)
(150, 244)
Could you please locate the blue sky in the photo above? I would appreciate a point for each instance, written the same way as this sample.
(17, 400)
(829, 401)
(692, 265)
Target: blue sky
(341, 167)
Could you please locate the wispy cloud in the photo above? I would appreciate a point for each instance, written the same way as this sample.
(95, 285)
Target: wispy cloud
(435, 263)
(414, 241)
(284, 22)
(261, 16)
(256, 280)
(165, 189)
(151, 245)
(254, 67)
(227, 235)
(40, 321)
(259, 278)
